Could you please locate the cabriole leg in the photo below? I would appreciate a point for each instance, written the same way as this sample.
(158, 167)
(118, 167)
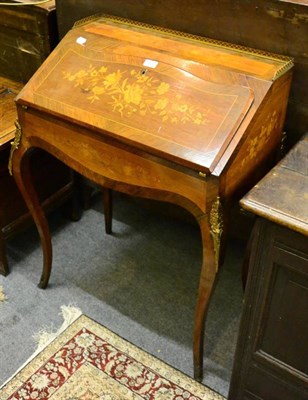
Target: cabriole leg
(107, 200)
(22, 175)
(212, 229)
(206, 286)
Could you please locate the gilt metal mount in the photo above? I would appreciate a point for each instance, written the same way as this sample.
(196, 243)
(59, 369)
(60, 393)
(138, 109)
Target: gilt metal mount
(216, 224)
(14, 144)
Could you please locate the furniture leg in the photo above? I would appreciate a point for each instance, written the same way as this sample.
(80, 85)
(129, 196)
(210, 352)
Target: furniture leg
(86, 191)
(22, 176)
(4, 268)
(74, 206)
(206, 285)
(107, 200)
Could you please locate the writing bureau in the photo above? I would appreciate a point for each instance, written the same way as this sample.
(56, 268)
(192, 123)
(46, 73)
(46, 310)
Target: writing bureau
(157, 114)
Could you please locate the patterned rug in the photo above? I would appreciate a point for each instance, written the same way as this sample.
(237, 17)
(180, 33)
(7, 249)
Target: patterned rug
(88, 362)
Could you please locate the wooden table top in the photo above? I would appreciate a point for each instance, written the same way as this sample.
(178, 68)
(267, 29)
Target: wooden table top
(282, 195)
(172, 95)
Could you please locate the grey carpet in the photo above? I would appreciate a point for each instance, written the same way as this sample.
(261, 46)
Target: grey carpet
(140, 282)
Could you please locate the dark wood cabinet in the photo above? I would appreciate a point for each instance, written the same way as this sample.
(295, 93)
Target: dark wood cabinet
(271, 360)
(28, 33)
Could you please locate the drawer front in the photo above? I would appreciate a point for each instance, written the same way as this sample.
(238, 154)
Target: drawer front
(113, 164)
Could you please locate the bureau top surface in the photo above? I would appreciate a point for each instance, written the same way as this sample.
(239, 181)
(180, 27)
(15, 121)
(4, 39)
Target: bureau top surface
(282, 195)
(170, 94)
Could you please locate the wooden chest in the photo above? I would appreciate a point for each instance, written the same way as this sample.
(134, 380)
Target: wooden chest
(273, 26)
(27, 36)
(157, 114)
(272, 350)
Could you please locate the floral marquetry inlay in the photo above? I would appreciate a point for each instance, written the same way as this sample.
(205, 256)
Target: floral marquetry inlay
(135, 91)
(166, 107)
(260, 141)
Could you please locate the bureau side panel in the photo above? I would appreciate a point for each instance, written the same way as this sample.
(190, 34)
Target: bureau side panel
(258, 151)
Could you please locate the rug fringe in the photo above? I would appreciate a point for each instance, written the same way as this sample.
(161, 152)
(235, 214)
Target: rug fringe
(2, 295)
(45, 335)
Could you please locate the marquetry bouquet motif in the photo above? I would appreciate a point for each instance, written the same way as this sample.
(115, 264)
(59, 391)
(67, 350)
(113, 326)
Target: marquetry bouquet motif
(131, 92)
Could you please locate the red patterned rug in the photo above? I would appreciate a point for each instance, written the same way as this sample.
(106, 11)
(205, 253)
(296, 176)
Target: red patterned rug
(88, 362)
